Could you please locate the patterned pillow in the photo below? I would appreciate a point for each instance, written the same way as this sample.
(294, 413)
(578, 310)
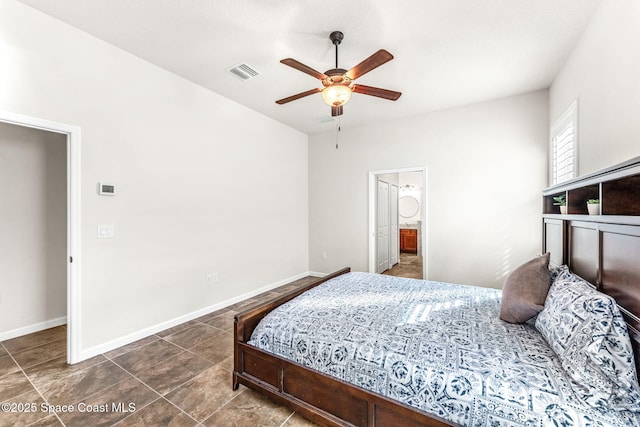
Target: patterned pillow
(555, 271)
(587, 332)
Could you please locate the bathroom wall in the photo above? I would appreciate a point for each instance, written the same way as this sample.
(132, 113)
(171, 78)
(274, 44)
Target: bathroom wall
(414, 180)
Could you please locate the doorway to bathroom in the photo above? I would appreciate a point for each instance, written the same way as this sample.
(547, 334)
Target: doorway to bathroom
(397, 222)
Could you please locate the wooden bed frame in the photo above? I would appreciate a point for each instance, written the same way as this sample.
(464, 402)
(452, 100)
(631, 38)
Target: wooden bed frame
(316, 396)
(603, 249)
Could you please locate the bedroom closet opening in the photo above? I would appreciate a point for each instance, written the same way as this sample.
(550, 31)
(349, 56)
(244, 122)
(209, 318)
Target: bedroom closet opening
(40, 194)
(398, 229)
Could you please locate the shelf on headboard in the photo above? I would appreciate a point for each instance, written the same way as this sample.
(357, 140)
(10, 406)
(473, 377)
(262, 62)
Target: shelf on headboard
(602, 219)
(617, 188)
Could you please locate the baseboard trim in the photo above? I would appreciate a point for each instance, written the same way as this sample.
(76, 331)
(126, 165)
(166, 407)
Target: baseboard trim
(128, 339)
(316, 274)
(36, 327)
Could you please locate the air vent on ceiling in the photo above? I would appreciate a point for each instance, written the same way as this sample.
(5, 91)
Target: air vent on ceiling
(243, 71)
(323, 119)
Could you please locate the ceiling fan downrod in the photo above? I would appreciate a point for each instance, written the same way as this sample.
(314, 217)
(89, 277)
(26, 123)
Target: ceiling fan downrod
(336, 37)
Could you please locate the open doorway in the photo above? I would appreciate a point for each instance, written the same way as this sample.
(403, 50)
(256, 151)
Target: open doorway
(397, 222)
(47, 228)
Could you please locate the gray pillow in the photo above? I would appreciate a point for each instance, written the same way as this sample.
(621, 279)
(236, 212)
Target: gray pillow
(525, 290)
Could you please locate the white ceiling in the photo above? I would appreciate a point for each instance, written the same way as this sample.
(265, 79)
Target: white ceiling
(447, 52)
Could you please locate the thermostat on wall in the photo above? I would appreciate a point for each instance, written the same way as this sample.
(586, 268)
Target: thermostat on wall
(105, 189)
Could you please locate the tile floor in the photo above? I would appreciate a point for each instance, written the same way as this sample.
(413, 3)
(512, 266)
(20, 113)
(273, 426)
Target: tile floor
(178, 377)
(410, 265)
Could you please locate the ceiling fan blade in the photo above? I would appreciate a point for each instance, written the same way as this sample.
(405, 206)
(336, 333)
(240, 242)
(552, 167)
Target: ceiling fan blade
(304, 68)
(391, 95)
(374, 61)
(336, 111)
(298, 96)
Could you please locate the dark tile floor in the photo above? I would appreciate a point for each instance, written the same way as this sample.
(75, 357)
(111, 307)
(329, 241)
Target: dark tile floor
(178, 377)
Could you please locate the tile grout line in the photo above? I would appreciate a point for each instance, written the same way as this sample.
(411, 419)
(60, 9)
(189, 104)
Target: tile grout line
(138, 410)
(288, 418)
(224, 404)
(156, 392)
(32, 385)
(180, 409)
(134, 349)
(142, 382)
(38, 346)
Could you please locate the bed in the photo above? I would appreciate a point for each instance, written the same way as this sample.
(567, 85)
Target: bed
(467, 367)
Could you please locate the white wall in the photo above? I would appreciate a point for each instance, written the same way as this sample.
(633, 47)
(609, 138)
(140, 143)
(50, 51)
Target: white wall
(486, 166)
(602, 73)
(33, 227)
(199, 190)
(415, 180)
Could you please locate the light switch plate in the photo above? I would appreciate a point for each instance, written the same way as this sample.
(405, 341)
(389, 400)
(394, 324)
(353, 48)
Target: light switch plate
(105, 231)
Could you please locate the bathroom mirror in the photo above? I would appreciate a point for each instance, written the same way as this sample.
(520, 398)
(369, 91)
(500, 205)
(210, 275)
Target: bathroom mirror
(408, 206)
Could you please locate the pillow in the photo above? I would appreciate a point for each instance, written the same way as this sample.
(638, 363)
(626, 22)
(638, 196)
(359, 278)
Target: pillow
(555, 271)
(586, 330)
(525, 290)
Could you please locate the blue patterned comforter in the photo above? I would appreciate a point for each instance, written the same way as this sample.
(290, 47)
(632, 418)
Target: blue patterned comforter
(435, 346)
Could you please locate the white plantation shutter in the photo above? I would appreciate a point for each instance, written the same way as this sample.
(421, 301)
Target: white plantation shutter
(564, 146)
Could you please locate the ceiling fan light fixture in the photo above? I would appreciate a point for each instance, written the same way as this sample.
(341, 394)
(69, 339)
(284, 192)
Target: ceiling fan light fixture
(336, 95)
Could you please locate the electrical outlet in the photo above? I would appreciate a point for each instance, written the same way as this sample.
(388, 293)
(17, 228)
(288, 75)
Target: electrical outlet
(212, 278)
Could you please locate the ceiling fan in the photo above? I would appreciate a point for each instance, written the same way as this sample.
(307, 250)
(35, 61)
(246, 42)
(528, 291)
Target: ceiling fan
(339, 83)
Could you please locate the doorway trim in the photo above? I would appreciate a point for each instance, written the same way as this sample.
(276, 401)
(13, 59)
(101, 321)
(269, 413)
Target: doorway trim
(74, 253)
(372, 215)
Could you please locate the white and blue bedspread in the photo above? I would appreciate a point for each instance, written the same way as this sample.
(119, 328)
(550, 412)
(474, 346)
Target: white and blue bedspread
(435, 346)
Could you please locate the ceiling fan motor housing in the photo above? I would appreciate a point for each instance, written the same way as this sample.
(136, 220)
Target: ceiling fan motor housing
(336, 76)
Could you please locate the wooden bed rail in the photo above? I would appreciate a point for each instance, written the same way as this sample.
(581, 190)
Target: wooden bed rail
(247, 320)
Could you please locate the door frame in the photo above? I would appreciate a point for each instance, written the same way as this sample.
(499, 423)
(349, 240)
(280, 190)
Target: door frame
(74, 254)
(379, 266)
(372, 215)
(394, 243)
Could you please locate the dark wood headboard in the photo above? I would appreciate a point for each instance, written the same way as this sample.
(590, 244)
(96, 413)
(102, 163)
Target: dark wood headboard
(606, 255)
(602, 249)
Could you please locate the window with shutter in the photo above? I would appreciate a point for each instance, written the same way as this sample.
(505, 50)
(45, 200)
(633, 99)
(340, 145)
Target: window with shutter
(564, 146)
